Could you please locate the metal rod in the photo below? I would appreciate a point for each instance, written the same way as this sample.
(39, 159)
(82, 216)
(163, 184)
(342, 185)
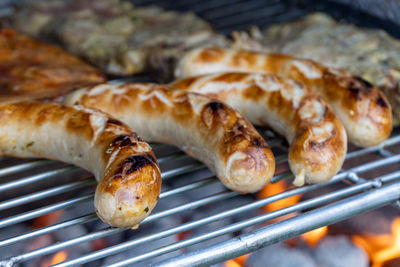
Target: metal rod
(201, 7)
(256, 220)
(41, 211)
(232, 9)
(388, 142)
(44, 194)
(127, 245)
(226, 18)
(37, 177)
(287, 229)
(109, 231)
(48, 229)
(93, 216)
(174, 157)
(23, 167)
(182, 170)
(257, 204)
(338, 177)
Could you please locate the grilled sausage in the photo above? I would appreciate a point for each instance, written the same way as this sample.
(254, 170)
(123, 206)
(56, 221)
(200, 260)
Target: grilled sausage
(318, 141)
(362, 108)
(207, 129)
(129, 179)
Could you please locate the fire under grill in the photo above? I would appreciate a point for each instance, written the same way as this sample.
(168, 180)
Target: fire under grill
(197, 221)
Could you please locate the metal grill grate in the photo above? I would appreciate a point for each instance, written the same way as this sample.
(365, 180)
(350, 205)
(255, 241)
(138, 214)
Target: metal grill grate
(371, 179)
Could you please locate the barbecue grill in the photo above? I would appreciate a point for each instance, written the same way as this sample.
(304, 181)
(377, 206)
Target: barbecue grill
(370, 178)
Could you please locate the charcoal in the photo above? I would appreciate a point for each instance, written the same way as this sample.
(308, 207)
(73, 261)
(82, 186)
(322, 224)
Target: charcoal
(392, 263)
(280, 255)
(382, 219)
(339, 251)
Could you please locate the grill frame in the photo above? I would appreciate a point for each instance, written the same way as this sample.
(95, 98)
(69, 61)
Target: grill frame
(358, 196)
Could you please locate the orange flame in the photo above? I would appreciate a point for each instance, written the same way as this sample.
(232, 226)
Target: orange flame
(57, 258)
(182, 235)
(98, 244)
(273, 189)
(381, 248)
(313, 237)
(238, 262)
(48, 219)
(232, 263)
(267, 191)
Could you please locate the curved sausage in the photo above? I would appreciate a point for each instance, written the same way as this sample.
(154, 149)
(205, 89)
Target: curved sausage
(362, 108)
(207, 129)
(129, 179)
(318, 141)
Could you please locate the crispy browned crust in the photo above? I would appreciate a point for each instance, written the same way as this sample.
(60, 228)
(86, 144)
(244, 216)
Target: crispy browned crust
(317, 138)
(30, 69)
(124, 165)
(363, 109)
(323, 154)
(205, 128)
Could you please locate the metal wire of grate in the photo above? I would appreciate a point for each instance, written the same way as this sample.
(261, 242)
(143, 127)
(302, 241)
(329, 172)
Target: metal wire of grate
(384, 189)
(202, 235)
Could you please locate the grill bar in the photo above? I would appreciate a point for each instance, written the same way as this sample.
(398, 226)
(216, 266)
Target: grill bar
(272, 215)
(201, 8)
(230, 229)
(90, 217)
(257, 204)
(37, 178)
(109, 231)
(182, 170)
(99, 234)
(48, 230)
(284, 230)
(44, 194)
(358, 195)
(42, 211)
(23, 167)
(186, 227)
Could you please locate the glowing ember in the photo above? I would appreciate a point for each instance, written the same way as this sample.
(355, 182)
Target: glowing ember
(182, 236)
(273, 189)
(232, 263)
(381, 248)
(57, 258)
(238, 262)
(98, 244)
(313, 237)
(48, 219)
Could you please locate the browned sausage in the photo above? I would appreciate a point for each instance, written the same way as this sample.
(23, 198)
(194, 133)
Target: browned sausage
(362, 108)
(318, 141)
(129, 179)
(207, 129)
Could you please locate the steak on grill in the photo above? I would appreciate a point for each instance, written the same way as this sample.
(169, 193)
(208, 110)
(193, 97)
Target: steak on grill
(114, 35)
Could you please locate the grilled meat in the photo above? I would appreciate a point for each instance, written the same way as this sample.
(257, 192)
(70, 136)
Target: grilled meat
(370, 53)
(114, 35)
(31, 69)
